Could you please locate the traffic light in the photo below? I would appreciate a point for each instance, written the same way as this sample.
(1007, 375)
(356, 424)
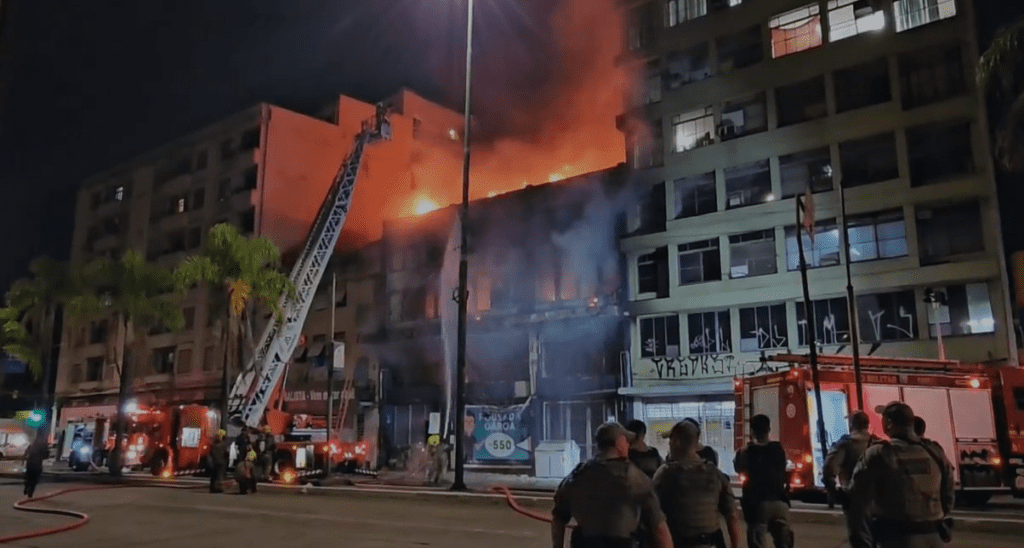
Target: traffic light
(36, 418)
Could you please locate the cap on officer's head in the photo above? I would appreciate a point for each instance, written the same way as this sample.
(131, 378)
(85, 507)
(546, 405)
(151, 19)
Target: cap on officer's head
(608, 432)
(898, 413)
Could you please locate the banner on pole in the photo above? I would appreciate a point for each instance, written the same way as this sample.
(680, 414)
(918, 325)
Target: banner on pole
(496, 435)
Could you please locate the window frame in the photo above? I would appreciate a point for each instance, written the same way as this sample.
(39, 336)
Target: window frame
(722, 323)
(703, 118)
(876, 219)
(666, 331)
(700, 248)
(808, 15)
(813, 252)
(775, 338)
(695, 185)
(748, 239)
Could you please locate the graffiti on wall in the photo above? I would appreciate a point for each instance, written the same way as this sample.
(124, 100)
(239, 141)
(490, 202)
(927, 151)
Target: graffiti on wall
(695, 366)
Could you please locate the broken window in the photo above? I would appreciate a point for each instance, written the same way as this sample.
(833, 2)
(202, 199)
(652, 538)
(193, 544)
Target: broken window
(649, 214)
(795, 30)
(944, 232)
(748, 184)
(710, 332)
(652, 274)
(752, 254)
(931, 75)
(801, 102)
(163, 360)
(848, 18)
(939, 151)
(659, 336)
(696, 195)
(803, 170)
(967, 311)
(646, 149)
(823, 251)
(94, 369)
(879, 235)
(763, 327)
(740, 50)
(887, 317)
(869, 160)
(699, 262)
(693, 129)
(744, 116)
(686, 67)
(831, 321)
(915, 13)
(863, 85)
(677, 11)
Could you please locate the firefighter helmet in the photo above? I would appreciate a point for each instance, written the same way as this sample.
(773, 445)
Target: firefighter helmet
(222, 433)
(251, 455)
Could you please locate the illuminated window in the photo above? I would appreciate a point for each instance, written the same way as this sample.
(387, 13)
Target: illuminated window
(914, 13)
(796, 30)
(180, 206)
(823, 251)
(693, 129)
(119, 193)
(684, 10)
(966, 311)
(879, 235)
(546, 287)
(848, 18)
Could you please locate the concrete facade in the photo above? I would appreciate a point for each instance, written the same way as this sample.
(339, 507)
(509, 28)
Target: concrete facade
(746, 104)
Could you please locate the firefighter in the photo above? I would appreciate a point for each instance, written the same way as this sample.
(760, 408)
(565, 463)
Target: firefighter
(438, 462)
(245, 473)
(267, 455)
(694, 494)
(242, 445)
(765, 501)
(907, 482)
(36, 453)
(218, 462)
(643, 456)
(609, 498)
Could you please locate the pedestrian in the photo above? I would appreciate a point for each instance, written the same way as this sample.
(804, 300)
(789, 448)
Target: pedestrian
(765, 500)
(840, 462)
(694, 494)
(36, 453)
(245, 473)
(218, 462)
(908, 484)
(242, 445)
(438, 462)
(643, 456)
(609, 497)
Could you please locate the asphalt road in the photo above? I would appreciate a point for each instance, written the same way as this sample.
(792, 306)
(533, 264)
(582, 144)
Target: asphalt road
(158, 518)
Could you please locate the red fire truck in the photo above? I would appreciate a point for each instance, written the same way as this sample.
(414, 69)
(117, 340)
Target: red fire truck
(966, 408)
(169, 440)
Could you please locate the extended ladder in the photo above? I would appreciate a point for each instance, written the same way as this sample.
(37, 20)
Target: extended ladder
(255, 384)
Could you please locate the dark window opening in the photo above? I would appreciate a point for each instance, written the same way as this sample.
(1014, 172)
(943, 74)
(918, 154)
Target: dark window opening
(938, 152)
(250, 178)
(932, 75)
(250, 139)
(887, 317)
(652, 273)
(93, 369)
(686, 67)
(740, 50)
(947, 231)
(763, 327)
(202, 160)
(163, 360)
(869, 160)
(249, 221)
(696, 195)
(651, 211)
(741, 117)
(700, 262)
(752, 254)
(227, 149)
(803, 170)
(831, 321)
(863, 85)
(748, 184)
(801, 102)
(659, 337)
(710, 332)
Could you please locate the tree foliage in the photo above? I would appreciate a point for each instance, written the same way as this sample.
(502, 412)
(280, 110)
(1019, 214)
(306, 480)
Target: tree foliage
(17, 342)
(1001, 76)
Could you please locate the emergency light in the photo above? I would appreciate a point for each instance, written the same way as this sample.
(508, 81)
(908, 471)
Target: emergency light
(36, 418)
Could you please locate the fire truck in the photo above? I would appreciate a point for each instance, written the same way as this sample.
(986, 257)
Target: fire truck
(169, 440)
(967, 408)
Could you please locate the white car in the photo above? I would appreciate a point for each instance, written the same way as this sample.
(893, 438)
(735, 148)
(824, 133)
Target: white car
(13, 444)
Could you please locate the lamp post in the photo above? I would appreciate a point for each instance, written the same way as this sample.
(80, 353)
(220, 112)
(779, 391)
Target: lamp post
(812, 338)
(463, 296)
(851, 303)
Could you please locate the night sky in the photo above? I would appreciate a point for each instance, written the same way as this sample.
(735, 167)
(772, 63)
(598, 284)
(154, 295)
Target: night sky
(85, 85)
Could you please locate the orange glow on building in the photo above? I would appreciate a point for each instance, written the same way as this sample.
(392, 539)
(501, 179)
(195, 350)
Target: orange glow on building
(425, 205)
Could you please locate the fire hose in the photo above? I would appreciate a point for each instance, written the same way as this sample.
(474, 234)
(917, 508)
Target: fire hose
(514, 505)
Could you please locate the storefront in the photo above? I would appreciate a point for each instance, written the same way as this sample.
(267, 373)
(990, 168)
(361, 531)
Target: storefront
(716, 418)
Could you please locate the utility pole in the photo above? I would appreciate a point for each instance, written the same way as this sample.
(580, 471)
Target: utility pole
(463, 297)
(851, 303)
(811, 332)
(330, 358)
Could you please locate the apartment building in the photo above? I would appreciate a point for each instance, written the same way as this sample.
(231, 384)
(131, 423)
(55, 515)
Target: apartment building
(265, 170)
(545, 336)
(746, 105)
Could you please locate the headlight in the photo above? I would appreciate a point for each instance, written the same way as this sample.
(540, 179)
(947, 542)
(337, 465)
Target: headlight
(790, 466)
(84, 450)
(19, 440)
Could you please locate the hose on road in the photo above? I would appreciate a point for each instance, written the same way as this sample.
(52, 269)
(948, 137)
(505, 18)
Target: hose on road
(514, 505)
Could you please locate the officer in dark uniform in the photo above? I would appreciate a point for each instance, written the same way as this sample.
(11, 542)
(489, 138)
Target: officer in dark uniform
(218, 462)
(907, 483)
(268, 450)
(842, 459)
(694, 494)
(643, 456)
(36, 453)
(609, 497)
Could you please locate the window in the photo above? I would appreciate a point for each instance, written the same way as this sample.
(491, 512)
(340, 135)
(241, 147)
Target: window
(693, 129)
(198, 199)
(194, 237)
(223, 189)
(678, 11)
(914, 13)
(966, 311)
(931, 75)
(801, 101)
(202, 160)
(710, 332)
(653, 86)
(251, 138)
(94, 369)
(795, 31)
(748, 184)
(752, 254)
(686, 67)
(179, 205)
(803, 170)
(652, 273)
(659, 336)
(696, 195)
(763, 327)
(823, 251)
(163, 361)
(118, 193)
(869, 160)
(227, 149)
(863, 85)
(887, 317)
(248, 221)
(740, 50)
(939, 151)
(831, 321)
(947, 231)
(209, 359)
(743, 117)
(640, 30)
(189, 314)
(722, 5)
(250, 178)
(649, 214)
(699, 262)
(880, 235)
(848, 18)
(184, 362)
(98, 332)
(646, 148)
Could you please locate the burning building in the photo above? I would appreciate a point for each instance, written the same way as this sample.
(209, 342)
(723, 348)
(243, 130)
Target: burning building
(745, 105)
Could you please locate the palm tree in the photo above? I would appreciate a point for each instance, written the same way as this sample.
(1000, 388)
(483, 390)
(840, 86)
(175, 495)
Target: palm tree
(1001, 76)
(135, 293)
(16, 341)
(241, 273)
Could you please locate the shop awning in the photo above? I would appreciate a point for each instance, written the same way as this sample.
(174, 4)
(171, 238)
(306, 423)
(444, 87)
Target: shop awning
(723, 386)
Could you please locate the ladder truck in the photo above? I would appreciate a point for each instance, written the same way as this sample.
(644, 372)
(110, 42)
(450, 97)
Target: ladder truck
(262, 378)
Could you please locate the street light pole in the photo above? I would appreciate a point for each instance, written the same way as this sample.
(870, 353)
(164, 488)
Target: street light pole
(463, 296)
(330, 359)
(851, 303)
(812, 336)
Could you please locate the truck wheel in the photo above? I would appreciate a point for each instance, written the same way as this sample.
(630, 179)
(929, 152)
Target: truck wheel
(157, 465)
(975, 498)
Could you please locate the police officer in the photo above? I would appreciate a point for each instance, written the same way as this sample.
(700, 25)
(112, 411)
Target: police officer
(842, 459)
(706, 452)
(909, 485)
(694, 494)
(643, 456)
(218, 462)
(609, 497)
(36, 453)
